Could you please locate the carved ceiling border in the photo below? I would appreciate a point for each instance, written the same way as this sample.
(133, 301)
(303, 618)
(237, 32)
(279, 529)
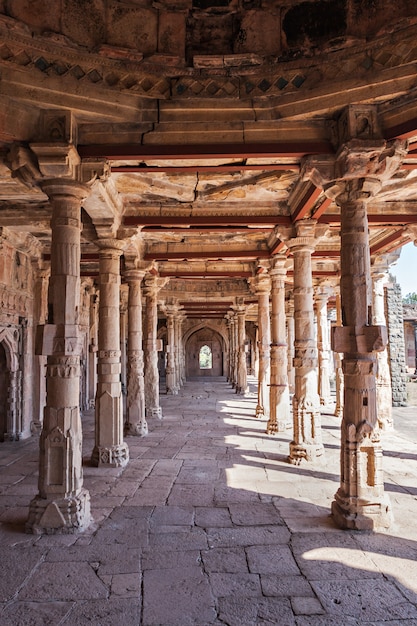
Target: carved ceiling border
(59, 57)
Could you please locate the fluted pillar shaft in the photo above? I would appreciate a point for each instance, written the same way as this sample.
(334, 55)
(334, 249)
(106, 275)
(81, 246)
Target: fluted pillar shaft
(135, 414)
(338, 359)
(263, 289)
(110, 450)
(360, 502)
(151, 290)
(383, 376)
(307, 442)
(241, 374)
(172, 377)
(323, 345)
(62, 505)
(280, 414)
(290, 342)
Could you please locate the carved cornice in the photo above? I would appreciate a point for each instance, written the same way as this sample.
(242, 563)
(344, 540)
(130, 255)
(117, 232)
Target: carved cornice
(132, 73)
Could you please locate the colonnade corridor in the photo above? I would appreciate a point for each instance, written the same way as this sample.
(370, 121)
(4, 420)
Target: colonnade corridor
(208, 524)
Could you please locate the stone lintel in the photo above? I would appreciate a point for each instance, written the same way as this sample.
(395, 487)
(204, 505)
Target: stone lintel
(352, 340)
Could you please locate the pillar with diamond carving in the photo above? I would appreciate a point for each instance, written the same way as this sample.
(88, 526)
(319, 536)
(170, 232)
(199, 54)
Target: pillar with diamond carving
(338, 361)
(135, 414)
(307, 442)
(280, 413)
(110, 450)
(63, 504)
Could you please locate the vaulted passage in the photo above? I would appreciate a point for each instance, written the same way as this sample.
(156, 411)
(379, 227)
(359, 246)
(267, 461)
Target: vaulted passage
(209, 524)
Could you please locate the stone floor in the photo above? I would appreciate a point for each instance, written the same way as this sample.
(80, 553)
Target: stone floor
(209, 525)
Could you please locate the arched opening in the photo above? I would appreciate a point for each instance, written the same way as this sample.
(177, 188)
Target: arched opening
(4, 391)
(206, 358)
(204, 353)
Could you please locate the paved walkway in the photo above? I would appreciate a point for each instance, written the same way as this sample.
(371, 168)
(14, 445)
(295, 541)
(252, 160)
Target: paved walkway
(209, 525)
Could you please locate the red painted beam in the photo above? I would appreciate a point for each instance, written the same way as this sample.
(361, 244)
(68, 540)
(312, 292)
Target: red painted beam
(268, 221)
(185, 275)
(322, 208)
(405, 130)
(307, 202)
(278, 247)
(195, 169)
(375, 219)
(393, 238)
(125, 152)
(224, 254)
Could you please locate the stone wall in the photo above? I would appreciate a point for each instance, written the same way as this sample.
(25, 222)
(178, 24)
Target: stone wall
(396, 344)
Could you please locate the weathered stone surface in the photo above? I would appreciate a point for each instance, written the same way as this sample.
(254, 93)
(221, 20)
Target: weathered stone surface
(35, 613)
(175, 596)
(272, 559)
(109, 612)
(75, 581)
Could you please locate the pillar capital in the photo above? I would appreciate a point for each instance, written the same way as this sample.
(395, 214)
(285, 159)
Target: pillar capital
(134, 276)
(305, 239)
(114, 246)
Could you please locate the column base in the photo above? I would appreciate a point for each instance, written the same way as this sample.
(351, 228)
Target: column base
(259, 412)
(111, 456)
(154, 412)
(172, 391)
(279, 426)
(350, 514)
(140, 429)
(59, 516)
(309, 452)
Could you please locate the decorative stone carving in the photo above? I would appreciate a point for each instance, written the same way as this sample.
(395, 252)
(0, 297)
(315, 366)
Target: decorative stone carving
(153, 284)
(110, 450)
(280, 414)
(354, 178)
(62, 505)
(321, 296)
(262, 288)
(135, 415)
(241, 371)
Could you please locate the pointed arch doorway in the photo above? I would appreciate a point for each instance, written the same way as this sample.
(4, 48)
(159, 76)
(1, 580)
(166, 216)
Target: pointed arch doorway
(204, 353)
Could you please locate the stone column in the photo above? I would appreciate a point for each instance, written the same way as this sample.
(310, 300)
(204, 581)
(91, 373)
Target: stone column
(135, 411)
(39, 361)
(290, 342)
(123, 342)
(338, 411)
(110, 450)
(323, 345)
(151, 289)
(241, 374)
(92, 349)
(172, 385)
(179, 350)
(307, 444)
(415, 346)
(262, 289)
(230, 355)
(62, 505)
(280, 414)
(379, 272)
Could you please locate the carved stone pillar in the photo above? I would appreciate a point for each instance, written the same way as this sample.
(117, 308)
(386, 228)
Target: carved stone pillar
(290, 342)
(241, 374)
(280, 414)
(39, 361)
(62, 505)
(172, 385)
(323, 345)
(179, 351)
(352, 178)
(307, 443)
(92, 348)
(262, 288)
(135, 410)
(151, 289)
(338, 359)
(379, 271)
(230, 355)
(123, 341)
(110, 450)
